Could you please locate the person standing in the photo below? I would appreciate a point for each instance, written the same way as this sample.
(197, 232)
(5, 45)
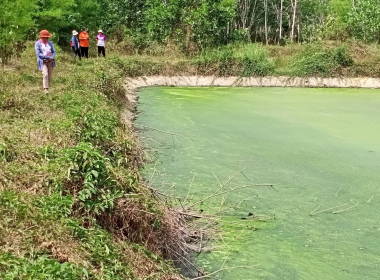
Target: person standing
(75, 45)
(101, 38)
(84, 42)
(45, 58)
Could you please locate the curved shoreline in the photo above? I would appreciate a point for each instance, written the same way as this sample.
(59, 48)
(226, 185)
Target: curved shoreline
(268, 81)
(132, 85)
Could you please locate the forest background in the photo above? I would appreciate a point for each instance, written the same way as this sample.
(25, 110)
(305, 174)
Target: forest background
(193, 25)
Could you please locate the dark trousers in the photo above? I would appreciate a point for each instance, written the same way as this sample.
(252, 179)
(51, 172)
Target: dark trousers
(102, 50)
(84, 51)
(76, 53)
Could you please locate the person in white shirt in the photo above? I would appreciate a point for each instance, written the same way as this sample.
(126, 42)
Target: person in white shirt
(101, 38)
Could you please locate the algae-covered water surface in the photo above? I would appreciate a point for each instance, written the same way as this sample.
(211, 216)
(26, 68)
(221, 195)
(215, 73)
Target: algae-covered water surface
(320, 148)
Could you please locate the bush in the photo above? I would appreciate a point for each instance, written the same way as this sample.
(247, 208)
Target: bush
(97, 127)
(236, 59)
(342, 57)
(317, 61)
(91, 170)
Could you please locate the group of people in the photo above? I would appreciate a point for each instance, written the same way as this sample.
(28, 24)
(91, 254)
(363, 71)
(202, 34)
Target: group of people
(46, 53)
(80, 44)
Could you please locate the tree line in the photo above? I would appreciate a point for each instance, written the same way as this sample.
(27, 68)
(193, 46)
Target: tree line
(193, 24)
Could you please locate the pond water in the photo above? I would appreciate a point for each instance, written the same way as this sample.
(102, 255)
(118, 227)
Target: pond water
(320, 148)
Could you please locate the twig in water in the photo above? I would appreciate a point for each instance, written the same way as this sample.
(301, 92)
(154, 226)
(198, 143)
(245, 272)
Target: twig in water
(342, 210)
(232, 176)
(154, 171)
(230, 190)
(336, 194)
(226, 268)
(166, 132)
(173, 185)
(225, 259)
(311, 214)
(243, 200)
(191, 183)
(271, 187)
(369, 200)
(244, 175)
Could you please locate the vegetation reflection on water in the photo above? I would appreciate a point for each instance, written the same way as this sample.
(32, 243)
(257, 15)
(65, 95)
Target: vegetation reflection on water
(319, 147)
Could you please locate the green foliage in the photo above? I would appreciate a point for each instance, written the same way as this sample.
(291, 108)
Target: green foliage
(15, 20)
(240, 60)
(134, 67)
(210, 20)
(55, 206)
(342, 57)
(97, 127)
(11, 205)
(316, 61)
(92, 170)
(364, 20)
(104, 253)
(41, 267)
(5, 153)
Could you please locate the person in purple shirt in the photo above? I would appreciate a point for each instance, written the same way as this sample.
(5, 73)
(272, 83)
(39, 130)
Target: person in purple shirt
(45, 58)
(101, 38)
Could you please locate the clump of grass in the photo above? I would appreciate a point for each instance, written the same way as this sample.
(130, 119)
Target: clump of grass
(318, 61)
(238, 60)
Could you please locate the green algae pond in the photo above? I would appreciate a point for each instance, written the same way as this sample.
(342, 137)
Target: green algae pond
(320, 148)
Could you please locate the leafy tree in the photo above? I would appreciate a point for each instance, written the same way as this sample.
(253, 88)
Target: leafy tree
(211, 21)
(15, 20)
(364, 20)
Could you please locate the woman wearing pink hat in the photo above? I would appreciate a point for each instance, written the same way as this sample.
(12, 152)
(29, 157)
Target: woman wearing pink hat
(45, 58)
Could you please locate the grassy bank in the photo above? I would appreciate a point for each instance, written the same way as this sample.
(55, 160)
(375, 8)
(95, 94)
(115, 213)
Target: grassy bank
(71, 202)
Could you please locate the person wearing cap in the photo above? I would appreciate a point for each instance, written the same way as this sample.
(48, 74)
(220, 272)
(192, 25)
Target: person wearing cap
(45, 58)
(101, 38)
(84, 42)
(75, 45)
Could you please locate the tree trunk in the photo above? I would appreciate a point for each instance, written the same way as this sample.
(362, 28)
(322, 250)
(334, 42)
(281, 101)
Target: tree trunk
(266, 20)
(293, 20)
(281, 8)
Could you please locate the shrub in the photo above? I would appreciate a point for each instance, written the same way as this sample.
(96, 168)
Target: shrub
(90, 169)
(237, 59)
(97, 127)
(317, 61)
(342, 56)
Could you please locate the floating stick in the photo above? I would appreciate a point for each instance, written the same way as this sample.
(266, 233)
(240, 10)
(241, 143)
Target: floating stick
(369, 200)
(336, 194)
(226, 268)
(340, 211)
(313, 213)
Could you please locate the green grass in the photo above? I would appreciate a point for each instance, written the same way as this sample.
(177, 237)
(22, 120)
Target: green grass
(66, 158)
